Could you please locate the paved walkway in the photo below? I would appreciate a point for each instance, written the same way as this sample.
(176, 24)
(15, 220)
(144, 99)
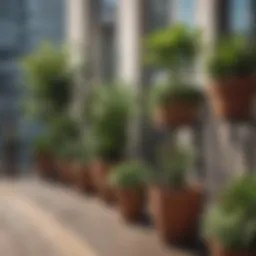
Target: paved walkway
(39, 219)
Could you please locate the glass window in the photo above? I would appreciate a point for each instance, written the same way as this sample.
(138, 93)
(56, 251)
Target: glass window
(240, 15)
(5, 9)
(159, 13)
(186, 10)
(108, 8)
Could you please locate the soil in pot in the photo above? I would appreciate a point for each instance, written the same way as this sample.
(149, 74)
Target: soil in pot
(131, 203)
(176, 212)
(232, 98)
(177, 114)
(100, 174)
(217, 250)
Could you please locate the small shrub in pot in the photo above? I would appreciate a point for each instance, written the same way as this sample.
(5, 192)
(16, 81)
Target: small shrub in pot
(230, 224)
(176, 102)
(129, 179)
(65, 155)
(110, 116)
(232, 68)
(175, 204)
(82, 168)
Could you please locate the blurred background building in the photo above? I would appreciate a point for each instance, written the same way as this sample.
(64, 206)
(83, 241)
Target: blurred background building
(24, 24)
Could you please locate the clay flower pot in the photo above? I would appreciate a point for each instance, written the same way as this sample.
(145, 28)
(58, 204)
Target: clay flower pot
(45, 165)
(175, 212)
(100, 172)
(65, 171)
(216, 249)
(130, 202)
(177, 114)
(232, 98)
(82, 178)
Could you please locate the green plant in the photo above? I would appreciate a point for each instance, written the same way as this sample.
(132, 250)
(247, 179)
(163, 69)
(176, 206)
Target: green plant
(172, 167)
(48, 81)
(232, 221)
(110, 115)
(175, 50)
(165, 94)
(233, 56)
(64, 129)
(129, 175)
(43, 145)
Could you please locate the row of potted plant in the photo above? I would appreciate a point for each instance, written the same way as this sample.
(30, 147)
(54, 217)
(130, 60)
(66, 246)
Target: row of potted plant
(98, 161)
(231, 68)
(175, 204)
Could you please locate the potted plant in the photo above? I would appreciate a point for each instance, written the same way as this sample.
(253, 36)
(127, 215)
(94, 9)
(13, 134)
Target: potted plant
(43, 152)
(230, 224)
(65, 161)
(174, 203)
(232, 68)
(65, 134)
(49, 82)
(82, 169)
(177, 101)
(110, 116)
(128, 179)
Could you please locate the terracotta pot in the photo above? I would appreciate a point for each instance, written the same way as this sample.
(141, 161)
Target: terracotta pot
(178, 113)
(130, 203)
(65, 171)
(232, 98)
(100, 174)
(175, 212)
(45, 165)
(216, 249)
(82, 178)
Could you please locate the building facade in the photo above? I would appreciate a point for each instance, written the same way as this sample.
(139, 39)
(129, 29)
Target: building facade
(223, 149)
(24, 24)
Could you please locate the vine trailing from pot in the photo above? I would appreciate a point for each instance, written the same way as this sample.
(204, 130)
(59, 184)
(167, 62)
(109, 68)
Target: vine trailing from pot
(176, 102)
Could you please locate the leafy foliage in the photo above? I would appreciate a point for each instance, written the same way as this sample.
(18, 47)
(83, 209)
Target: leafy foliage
(172, 47)
(164, 94)
(43, 144)
(64, 128)
(232, 221)
(59, 136)
(233, 57)
(110, 115)
(173, 166)
(129, 175)
(48, 81)
(175, 50)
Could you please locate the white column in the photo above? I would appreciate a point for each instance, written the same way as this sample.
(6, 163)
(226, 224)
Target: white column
(206, 17)
(79, 43)
(78, 28)
(129, 40)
